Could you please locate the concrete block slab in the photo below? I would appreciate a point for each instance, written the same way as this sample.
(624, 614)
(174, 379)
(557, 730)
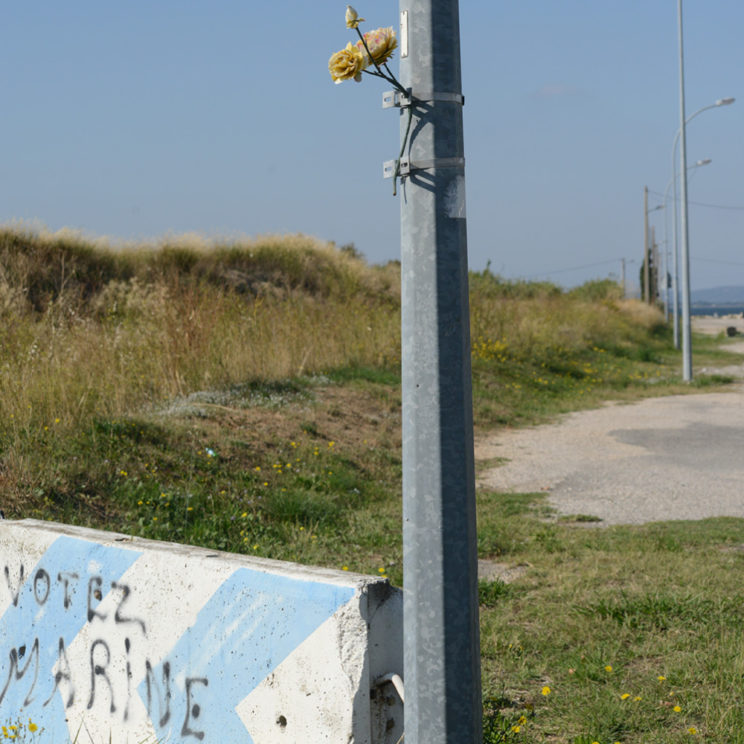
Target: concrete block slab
(108, 638)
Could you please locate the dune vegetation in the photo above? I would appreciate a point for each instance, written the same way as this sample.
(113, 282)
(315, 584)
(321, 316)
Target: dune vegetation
(244, 395)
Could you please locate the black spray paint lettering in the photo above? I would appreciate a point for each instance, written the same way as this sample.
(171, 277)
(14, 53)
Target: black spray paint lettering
(125, 592)
(63, 673)
(14, 593)
(94, 592)
(21, 660)
(65, 576)
(164, 698)
(128, 648)
(41, 579)
(16, 672)
(42, 590)
(193, 710)
(99, 670)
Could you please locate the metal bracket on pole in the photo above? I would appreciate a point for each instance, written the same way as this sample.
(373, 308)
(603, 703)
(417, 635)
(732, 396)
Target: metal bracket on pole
(396, 99)
(407, 167)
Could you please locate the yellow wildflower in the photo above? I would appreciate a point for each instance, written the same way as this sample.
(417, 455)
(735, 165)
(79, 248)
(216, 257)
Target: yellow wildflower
(608, 668)
(625, 696)
(32, 726)
(677, 709)
(661, 678)
(546, 690)
(381, 43)
(516, 729)
(352, 17)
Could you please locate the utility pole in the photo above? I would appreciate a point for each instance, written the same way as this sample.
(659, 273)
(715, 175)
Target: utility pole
(646, 272)
(440, 585)
(654, 268)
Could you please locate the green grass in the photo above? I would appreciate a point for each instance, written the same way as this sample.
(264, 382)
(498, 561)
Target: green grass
(247, 398)
(622, 624)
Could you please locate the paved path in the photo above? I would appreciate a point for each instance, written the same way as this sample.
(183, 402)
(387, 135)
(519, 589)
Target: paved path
(678, 457)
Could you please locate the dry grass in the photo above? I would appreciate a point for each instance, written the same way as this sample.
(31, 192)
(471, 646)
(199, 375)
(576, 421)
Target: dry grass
(89, 331)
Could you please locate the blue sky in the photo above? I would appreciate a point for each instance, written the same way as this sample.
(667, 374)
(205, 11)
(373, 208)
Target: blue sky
(139, 119)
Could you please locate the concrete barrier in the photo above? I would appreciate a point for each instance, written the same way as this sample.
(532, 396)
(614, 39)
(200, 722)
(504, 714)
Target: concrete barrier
(108, 638)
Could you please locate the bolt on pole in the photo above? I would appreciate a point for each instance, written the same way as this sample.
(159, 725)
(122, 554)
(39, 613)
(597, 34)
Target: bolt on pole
(441, 636)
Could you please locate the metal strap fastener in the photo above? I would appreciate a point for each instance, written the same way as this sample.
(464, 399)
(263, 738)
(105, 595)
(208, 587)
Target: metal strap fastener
(407, 167)
(394, 98)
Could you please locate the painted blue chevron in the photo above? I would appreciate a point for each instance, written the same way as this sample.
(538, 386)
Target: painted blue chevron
(249, 626)
(50, 607)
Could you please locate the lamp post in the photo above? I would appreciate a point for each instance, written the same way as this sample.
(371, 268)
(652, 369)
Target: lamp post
(675, 254)
(672, 247)
(686, 333)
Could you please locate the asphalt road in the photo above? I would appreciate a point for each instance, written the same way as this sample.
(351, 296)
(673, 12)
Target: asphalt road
(678, 457)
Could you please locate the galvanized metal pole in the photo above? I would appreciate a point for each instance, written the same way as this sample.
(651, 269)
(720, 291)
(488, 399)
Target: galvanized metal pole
(675, 274)
(441, 636)
(646, 267)
(686, 331)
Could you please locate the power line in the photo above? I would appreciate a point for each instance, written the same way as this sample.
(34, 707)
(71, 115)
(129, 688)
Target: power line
(573, 268)
(702, 204)
(717, 206)
(718, 261)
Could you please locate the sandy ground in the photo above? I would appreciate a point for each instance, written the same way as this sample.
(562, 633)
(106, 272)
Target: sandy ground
(714, 325)
(678, 457)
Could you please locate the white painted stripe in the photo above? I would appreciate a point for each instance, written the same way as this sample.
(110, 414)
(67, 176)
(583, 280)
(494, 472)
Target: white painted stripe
(166, 592)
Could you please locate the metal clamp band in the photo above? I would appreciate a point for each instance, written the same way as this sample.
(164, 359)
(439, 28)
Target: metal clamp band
(394, 98)
(406, 166)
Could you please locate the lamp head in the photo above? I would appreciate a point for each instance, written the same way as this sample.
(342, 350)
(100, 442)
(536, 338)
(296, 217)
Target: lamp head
(725, 101)
(705, 161)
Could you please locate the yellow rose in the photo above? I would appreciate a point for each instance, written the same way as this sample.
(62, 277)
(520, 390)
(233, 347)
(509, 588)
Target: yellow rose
(347, 64)
(381, 42)
(352, 17)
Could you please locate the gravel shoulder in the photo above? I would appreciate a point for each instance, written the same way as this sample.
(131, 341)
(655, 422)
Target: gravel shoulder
(678, 457)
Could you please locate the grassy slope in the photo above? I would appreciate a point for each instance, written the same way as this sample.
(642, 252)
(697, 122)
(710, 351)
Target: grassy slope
(247, 398)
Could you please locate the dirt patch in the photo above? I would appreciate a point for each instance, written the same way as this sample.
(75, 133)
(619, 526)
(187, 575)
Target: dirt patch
(493, 571)
(353, 417)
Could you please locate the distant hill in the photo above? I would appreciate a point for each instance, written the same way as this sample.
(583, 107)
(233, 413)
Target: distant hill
(718, 296)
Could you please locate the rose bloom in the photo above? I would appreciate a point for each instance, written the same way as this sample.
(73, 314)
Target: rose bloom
(352, 17)
(347, 64)
(381, 43)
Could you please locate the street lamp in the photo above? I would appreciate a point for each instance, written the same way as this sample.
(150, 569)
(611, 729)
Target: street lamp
(686, 333)
(675, 254)
(675, 303)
